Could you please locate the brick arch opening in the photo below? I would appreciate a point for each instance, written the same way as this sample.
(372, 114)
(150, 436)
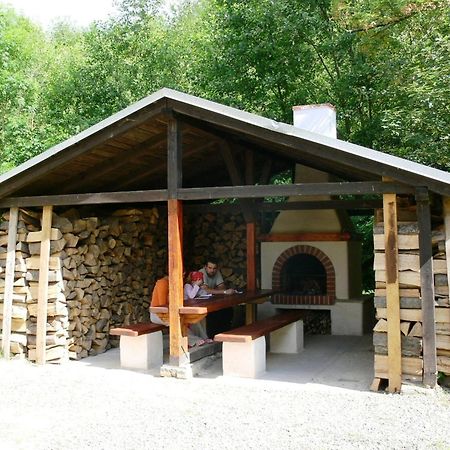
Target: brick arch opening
(292, 294)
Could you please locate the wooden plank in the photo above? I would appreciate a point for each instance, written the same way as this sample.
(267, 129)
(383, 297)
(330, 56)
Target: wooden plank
(411, 368)
(43, 285)
(415, 315)
(157, 195)
(427, 287)
(9, 282)
(178, 341)
(36, 236)
(443, 341)
(406, 278)
(137, 329)
(282, 190)
(406, 261)
(349, 205)
(405, 241)
(446, 202)
(257, 191)
(261, 328)
(250, 310)
(392, 292)
(321, 204)
(403, 292)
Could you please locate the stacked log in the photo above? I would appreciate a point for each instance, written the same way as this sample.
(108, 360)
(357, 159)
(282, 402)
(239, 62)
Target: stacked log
(101, 273)
(27, 223)
(441, 287)
(57, 314)
(222, 236)
(108, 270)
(317, 323)
(410, 300)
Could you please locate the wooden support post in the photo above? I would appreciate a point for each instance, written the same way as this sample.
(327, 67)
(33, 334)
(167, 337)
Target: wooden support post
(427, 287)
(250, 315)
(9, 282)
(179, 354)
(446, 201)
(41, 328)
(178, 343)
(392, 292)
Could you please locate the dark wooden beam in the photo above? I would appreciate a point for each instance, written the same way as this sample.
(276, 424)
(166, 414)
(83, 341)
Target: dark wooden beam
(266, 171)
(236, 178)
(210, 193)
(174, 157)
(427, 287)
(87, 199)
(105, 167)
(322, 204)
(344, 188)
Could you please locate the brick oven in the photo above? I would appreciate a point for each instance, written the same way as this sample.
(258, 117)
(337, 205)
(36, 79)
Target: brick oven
(314, 256)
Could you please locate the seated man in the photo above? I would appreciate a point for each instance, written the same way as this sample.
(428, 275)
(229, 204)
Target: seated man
(213, 283)
(160, 297)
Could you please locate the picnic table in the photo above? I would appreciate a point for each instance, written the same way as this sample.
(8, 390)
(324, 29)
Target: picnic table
(196, 309)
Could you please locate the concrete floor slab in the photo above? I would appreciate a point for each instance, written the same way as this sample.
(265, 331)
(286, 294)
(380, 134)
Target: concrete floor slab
(339, 361)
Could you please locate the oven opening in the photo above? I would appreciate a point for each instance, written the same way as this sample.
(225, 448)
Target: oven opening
(304, 274)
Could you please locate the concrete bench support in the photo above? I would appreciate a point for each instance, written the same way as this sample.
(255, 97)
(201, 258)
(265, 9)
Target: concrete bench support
(244, 348)
(288, 339)
(244, 359)
(141, 352)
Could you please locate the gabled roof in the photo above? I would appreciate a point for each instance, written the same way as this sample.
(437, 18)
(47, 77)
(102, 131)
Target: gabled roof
(127, 151)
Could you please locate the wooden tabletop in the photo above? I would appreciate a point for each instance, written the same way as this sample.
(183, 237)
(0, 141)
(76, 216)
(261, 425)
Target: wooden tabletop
(217, 302)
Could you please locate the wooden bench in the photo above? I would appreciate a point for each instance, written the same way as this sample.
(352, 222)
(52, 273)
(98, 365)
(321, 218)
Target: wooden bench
(244, 348)
(141, 345)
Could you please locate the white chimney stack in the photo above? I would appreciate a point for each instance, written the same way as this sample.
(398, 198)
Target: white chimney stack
(320, 119)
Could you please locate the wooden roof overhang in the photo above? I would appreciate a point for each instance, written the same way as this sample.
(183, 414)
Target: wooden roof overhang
(126, 154)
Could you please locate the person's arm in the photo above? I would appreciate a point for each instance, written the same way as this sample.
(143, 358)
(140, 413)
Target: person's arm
(190, 291)
(219, 289)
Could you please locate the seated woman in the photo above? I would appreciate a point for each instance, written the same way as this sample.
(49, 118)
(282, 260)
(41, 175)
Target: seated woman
(192, 289)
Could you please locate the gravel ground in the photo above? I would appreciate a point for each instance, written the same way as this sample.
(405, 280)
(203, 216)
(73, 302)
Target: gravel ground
(77, 406)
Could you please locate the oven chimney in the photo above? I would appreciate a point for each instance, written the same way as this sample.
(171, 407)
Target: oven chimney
(320, 119)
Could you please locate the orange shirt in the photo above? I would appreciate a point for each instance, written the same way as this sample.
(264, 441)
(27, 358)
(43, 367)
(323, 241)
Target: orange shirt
(160, 295)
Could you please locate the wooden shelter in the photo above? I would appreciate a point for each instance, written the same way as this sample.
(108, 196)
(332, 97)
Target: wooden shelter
(182, 150)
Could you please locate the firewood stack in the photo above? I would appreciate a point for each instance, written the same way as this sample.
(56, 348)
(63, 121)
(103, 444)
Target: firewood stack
(410, 298)
(22, 296)
(222, 236)
(101, 273)
(108, 270)
(441, 292)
